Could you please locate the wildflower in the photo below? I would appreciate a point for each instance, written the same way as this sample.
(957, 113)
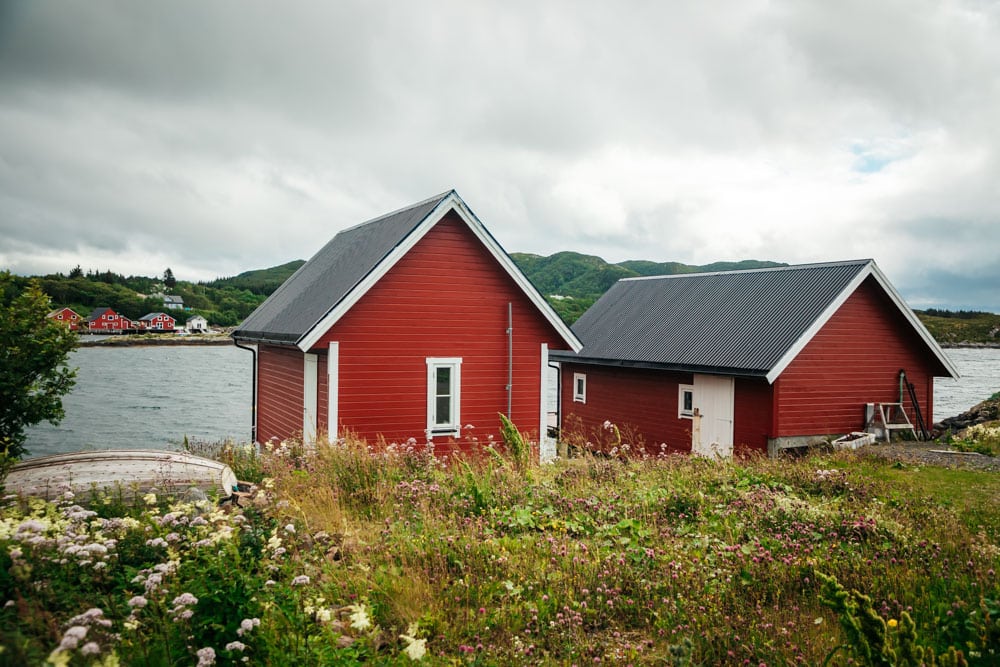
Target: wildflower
(323, 615)
(236, 646)
(149, 498)
(415, 648)
(290, 528)
(892, 623)
(246, 625)
(72, 637)
(59, 658)
(301, 580)
(359, 617)
(185, 599)
(90, 648)
(206, 656)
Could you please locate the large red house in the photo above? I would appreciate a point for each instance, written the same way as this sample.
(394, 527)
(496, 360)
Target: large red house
(769, 358)
(414, 325)
(157, 322)
(105, 320)
(66, 316)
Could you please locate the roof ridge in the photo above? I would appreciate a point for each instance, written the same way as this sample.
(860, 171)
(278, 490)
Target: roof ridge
(437, 197)
(791, 267)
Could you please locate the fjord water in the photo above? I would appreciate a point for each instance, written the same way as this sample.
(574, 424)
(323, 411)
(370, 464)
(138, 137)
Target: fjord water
(152, 397)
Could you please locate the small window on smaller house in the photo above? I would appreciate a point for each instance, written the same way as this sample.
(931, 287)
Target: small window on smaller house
(579, 388)
(685, 401)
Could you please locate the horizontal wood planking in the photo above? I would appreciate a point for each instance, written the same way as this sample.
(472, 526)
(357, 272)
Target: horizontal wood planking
(752, 415)
(640, 402)
(855, 359)
(446, 298)
(279, 393)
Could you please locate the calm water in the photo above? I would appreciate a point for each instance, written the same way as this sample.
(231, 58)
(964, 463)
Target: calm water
(151, 397)
(980, 371)
(154, 396)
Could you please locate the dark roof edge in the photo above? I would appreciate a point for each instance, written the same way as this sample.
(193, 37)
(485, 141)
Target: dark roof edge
(570, 357)
(262, 338)
(765, 269)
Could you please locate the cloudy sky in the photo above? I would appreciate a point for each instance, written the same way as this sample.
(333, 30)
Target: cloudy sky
(217, 137)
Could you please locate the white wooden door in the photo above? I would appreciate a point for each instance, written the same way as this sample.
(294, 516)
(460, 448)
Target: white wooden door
(713, 397)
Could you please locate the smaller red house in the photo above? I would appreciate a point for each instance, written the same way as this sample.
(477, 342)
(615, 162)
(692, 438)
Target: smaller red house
(66, 316)
(156, 322)
(769, 359)
(413, 327)
(105, 320)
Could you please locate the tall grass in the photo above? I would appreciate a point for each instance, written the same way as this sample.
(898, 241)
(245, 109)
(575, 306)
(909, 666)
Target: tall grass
(349, 553)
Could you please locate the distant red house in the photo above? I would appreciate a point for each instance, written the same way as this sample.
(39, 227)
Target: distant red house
(415, 325)
(770, 358)
(157, 322)
(105, 320)
(66, 316)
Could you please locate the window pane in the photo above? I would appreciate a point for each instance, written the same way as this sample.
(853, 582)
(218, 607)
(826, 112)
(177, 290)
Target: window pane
(688, 401)
(443, 382)
(443, 405)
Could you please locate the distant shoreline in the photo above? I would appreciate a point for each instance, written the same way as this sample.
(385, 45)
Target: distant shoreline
(156, 341)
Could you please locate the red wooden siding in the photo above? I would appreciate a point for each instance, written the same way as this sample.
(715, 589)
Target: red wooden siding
(641, 403)
(446, 298)
(279, 393)
(752, 415)
(855, 359)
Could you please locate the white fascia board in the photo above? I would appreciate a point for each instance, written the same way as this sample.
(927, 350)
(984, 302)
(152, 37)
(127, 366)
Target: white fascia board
(312, 337)
(915, 322)
(515, 273)
(871, 269)
(449, 203)
(818, 324)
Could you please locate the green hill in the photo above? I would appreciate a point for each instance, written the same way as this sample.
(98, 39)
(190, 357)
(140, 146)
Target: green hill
(572, 282)
(260, 281)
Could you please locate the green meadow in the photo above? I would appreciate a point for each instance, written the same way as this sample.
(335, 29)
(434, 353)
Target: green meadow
(348, 555)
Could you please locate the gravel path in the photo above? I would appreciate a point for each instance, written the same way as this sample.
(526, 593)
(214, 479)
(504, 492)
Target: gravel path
(931, 453)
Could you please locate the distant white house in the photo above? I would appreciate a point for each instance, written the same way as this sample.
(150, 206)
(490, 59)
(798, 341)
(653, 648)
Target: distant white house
(173, 302)
(197, 324)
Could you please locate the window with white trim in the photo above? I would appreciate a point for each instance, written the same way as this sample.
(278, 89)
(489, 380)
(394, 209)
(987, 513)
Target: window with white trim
(444, 387)
(685, 401)
(579, 388)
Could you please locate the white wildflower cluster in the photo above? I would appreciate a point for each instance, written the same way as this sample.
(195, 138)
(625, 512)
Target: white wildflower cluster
(152, 578)
(316, 607)
(415, 648)
(76, 632)
(182, 607)
(247, 625)
(981, 431)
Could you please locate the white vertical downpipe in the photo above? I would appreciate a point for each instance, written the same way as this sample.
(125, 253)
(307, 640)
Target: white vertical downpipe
(546, 448)
(510, 359)
(333, 392)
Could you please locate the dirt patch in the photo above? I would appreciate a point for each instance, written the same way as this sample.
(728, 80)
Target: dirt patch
(931, 453)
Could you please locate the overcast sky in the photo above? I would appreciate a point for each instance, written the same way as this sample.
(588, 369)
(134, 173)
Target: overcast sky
(218, 137)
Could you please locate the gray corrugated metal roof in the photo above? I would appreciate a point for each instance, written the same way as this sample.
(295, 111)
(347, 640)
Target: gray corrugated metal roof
(740, 322)
(322, 282)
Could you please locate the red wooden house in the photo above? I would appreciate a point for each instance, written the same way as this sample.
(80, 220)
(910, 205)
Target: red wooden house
(414, 325)
(157, 322)
(66, 316)
(770, 358)
(105, 320)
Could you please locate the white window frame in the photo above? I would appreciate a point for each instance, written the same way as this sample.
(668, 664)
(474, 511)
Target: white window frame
(454, 426)
(579, 387)
(683, 389)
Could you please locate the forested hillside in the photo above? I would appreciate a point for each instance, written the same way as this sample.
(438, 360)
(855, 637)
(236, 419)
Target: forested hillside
(570, 281)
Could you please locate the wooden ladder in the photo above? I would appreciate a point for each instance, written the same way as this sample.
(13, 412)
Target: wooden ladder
(893, 418)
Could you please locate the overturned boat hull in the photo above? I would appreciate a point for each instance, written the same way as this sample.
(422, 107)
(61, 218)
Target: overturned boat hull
(128, 471)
